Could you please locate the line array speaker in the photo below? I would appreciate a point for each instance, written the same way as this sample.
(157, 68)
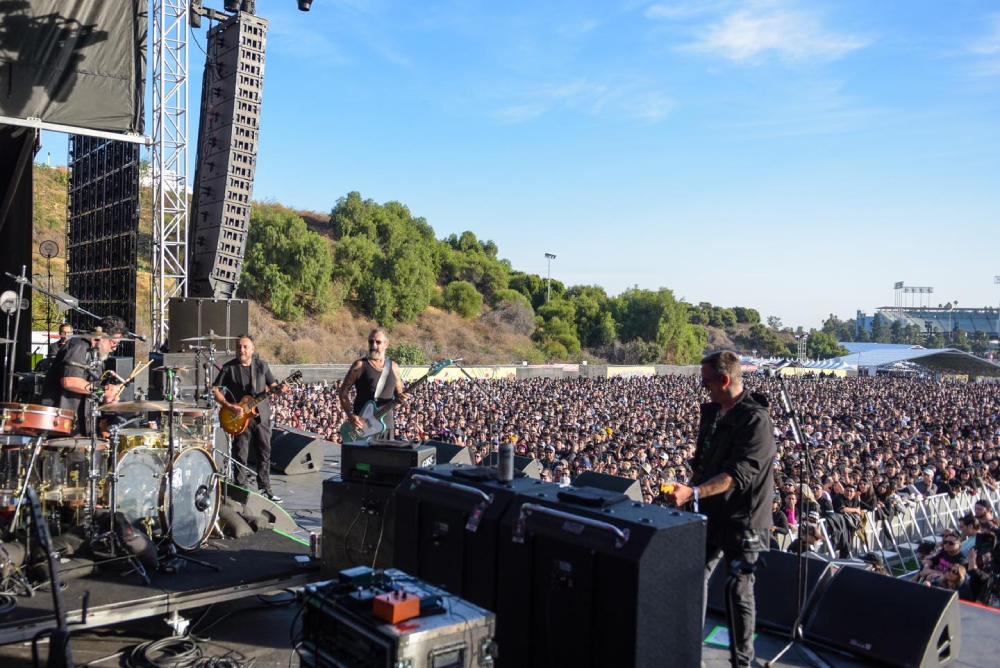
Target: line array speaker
(228, 135)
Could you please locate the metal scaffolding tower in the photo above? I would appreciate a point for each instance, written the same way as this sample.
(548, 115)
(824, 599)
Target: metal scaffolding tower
(169, 159)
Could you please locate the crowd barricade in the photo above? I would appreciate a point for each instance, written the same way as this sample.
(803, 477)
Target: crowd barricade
(897, 539)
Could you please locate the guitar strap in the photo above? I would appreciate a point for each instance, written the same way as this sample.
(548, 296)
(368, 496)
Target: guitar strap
(381, 379)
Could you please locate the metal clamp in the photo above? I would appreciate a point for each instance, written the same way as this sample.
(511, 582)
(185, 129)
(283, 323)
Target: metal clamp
(527, 509)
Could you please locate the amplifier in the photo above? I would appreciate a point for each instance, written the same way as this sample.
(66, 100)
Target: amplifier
(448, 527)
(343, 625)
(384, 462)
(623, 580)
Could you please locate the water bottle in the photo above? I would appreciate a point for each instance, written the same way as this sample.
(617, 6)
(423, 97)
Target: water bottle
(505, 462)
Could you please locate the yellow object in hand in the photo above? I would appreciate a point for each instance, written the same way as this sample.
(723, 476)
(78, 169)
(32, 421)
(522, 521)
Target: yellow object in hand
(668, 488)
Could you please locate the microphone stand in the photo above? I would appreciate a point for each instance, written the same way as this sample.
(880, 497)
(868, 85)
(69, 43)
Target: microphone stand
(795, 635)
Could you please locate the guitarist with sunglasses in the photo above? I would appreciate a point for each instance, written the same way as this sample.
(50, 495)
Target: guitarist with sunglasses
(372, 380)
(249, 375)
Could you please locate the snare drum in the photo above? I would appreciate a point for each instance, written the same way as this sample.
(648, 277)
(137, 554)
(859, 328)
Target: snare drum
(139, 438)
(143, 496)
(63, 465)
(35, 420)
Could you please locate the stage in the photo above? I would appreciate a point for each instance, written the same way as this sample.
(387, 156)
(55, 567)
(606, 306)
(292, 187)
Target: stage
(231, 608)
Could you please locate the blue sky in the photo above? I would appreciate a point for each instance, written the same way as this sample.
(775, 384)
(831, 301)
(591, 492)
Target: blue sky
(797, 157)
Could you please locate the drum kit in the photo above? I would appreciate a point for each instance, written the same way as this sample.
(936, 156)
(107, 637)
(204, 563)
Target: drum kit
(162, 482)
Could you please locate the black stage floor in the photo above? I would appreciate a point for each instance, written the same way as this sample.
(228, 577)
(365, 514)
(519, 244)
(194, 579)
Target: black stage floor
(262, 562)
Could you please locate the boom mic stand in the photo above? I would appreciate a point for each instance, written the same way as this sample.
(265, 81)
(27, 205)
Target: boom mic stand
(795, 635)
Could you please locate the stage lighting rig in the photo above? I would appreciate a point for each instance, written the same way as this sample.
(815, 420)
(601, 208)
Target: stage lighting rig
(305, 5)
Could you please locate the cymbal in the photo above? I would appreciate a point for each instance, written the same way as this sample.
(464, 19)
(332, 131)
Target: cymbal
(175, 369)
(135, 407)
(154, 407)
(212, 336)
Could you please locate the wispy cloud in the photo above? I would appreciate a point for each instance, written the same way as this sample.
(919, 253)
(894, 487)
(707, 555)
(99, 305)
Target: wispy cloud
(765, 28)
(986, 50)
(680, 9)
(623, 99)
(578, 28)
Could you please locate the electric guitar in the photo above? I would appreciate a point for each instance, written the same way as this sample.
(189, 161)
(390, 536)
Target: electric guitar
(373, 415)
(235, 424)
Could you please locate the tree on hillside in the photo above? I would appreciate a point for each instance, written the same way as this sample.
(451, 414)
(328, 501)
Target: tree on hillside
(387, 260)
(461, 297)
(658, 316)
(594, 322)
(746, 315)
(533, 287)
(774, 322)
(764, 340)
(822, 345)
(287, 267)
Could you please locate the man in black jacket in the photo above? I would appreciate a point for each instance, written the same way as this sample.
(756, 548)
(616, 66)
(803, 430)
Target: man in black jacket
(733, 482)
(249, 375)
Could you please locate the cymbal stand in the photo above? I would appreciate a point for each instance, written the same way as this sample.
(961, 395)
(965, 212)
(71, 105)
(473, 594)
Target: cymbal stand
(171, 561)
(110, 538)
(27, 478)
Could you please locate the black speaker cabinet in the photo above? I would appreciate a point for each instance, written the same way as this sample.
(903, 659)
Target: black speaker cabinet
(359, 525)
(630, 488)
(451, 453)
(589, 578)
(294, 451)
(448, 527)
(887, 620)
(526, 465)
(192, 317)
(774, 588)
(123, 367)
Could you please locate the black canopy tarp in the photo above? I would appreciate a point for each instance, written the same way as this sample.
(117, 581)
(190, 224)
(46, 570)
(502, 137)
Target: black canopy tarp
(74, 62)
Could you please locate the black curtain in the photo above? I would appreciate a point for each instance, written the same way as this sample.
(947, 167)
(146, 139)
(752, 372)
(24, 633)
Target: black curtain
(17, 147)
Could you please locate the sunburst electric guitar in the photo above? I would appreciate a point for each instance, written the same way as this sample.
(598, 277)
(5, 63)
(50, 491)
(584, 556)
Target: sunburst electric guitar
(373, 415)
(235, 424)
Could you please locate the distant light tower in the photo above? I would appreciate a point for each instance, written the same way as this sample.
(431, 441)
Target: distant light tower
(996, 281)
(548, 280)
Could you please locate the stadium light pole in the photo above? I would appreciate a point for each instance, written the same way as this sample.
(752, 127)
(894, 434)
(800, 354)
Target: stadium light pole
(548, 280)
(996, 281)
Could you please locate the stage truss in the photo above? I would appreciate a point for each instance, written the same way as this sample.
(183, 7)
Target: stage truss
(169, 163)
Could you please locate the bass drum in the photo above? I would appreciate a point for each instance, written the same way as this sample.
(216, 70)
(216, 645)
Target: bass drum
(143, 496)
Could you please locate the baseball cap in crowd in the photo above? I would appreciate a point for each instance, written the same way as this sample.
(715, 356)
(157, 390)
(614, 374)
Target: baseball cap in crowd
(873, 558)
(812, 516)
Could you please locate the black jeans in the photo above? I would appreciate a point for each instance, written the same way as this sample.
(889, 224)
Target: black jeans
(745, 614)
(258, 435)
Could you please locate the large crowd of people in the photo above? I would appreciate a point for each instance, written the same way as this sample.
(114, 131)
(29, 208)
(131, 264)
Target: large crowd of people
(874, 441)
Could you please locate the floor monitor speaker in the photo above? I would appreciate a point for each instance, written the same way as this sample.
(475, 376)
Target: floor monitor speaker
(294, 451)
(886, 620)
(774, 588)
(612, 483)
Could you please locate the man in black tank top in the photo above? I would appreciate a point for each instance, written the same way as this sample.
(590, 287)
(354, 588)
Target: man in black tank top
(364, 376)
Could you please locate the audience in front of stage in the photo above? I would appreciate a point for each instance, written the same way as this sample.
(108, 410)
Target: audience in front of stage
(876, 444)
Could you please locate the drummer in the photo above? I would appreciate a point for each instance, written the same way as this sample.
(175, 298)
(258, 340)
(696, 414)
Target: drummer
(70, 383)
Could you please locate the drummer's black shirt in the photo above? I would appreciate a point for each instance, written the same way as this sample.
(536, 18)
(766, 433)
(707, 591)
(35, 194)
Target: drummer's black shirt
(53, 393)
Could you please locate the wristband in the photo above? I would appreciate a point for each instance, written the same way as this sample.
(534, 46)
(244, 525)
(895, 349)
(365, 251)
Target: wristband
(697, 497)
